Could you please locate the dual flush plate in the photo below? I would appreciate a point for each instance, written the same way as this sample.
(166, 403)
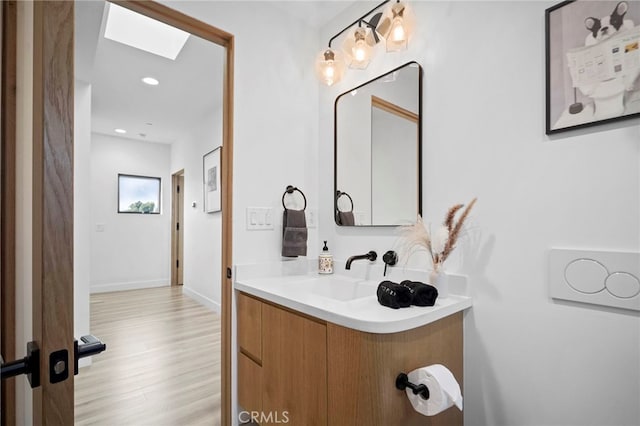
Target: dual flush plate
(603, 278)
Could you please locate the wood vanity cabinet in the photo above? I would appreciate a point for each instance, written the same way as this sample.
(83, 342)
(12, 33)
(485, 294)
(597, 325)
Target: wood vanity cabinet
(325, 374)
(287, 377)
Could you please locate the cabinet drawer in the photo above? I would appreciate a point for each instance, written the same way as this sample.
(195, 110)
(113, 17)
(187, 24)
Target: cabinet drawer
(250, 326)
(249, 384)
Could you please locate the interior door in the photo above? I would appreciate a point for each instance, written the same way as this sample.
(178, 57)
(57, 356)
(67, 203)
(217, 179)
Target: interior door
(49, 120)
(52, 275)
(52, 201)
(177, 241)
(8, 28)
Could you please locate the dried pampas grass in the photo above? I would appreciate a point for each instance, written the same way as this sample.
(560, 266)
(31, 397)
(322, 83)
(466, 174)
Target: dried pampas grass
(439, 245)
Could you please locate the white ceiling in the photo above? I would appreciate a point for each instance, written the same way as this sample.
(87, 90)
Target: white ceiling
(189, 87)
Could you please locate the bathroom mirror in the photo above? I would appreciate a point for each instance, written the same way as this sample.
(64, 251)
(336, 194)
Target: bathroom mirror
(378, 150)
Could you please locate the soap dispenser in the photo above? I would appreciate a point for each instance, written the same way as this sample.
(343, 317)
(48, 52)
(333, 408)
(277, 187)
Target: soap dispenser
(325, 261)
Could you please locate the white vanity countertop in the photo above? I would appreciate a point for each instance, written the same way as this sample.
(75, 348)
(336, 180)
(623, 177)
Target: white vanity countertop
(363, 314)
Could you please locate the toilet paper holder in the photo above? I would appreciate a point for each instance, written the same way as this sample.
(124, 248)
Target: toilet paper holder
(402, 382)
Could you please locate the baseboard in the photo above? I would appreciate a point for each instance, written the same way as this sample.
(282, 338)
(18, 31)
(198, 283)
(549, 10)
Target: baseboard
(203, 300)
(134, 285)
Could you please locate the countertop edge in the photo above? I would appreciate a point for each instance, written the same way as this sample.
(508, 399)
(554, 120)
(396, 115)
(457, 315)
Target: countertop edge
(367, 326)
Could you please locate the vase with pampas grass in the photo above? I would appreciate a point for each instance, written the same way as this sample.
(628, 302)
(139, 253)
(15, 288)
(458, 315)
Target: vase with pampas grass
(439, 244)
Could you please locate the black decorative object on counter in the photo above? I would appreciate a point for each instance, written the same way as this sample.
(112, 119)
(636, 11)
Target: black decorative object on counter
(405, 294)
(421, 294)
(393, 295)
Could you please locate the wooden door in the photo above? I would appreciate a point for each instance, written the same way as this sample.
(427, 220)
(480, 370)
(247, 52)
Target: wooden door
(52, 227)
(181, 229)
(177, 231)
(52, 230)
(8, 34)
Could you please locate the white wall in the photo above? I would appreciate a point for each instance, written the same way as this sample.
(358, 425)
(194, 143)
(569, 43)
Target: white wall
(275, 115)
(528, 360)
(202, 231)
(81, 210)
(134, 250)
(275, 118)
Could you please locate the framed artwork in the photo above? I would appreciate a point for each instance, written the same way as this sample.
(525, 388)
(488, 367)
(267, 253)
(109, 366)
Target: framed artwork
(592, 63)
(211, 181)
(138, 194)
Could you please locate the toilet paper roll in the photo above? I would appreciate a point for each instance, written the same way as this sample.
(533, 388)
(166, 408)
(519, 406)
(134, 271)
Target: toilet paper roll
(444, 390)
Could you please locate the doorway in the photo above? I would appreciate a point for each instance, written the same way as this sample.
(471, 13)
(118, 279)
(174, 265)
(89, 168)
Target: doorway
(177, 234)
(52, 179)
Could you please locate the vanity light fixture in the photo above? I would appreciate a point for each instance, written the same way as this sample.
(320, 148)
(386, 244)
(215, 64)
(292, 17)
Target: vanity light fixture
(397, 26)
(150, 81)
(360, 52)
(121, 131)
(329, 66)
(394, 25)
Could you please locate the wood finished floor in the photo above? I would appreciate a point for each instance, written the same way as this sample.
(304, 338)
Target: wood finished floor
(161, 366)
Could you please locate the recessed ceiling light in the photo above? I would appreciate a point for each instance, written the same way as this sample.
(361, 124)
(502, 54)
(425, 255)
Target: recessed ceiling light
(150, 81)
(122, 131)
(141, 32)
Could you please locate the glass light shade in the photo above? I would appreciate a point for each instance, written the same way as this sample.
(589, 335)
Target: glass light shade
(329, 66)
(398, 26)
(357, 48)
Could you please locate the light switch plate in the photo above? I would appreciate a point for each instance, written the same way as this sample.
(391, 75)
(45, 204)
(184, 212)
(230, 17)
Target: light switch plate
(259, 218)
(312, 218)
(597, 277)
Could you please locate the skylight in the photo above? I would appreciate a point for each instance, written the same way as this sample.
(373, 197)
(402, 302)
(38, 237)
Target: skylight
(141, 32)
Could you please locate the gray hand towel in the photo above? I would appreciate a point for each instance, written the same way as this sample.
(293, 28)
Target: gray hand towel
(346, 218)
(294, 233)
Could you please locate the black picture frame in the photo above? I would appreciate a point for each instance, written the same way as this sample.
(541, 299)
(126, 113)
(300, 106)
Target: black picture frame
(591, 84)
(211, 181)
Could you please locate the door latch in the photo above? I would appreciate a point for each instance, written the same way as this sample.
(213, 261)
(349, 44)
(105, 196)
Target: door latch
(91, 345)
(29, 365)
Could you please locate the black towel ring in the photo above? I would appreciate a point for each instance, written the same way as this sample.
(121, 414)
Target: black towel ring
(290, 190)
(340, 194)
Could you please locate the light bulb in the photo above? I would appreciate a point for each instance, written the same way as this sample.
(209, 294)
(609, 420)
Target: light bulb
(397, 33)
(357, 49)
(329, 71)
(359, 52)
(329, 66)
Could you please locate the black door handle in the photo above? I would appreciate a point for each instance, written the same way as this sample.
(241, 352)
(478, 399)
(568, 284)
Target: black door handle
(90, 345)
(29, 365)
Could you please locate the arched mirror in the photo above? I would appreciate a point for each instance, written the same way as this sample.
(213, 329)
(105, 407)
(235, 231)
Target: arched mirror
(378, 146)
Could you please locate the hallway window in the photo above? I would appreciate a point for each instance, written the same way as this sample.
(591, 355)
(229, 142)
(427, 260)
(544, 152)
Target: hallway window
(138, 194)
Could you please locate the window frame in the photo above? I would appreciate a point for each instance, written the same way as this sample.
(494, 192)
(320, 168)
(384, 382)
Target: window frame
(159, 179)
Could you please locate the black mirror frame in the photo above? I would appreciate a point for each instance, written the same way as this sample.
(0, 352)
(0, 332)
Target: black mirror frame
(335, 143)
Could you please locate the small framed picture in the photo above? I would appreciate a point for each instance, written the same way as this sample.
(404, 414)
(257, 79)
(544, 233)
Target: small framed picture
(211, 180)
(592, 63)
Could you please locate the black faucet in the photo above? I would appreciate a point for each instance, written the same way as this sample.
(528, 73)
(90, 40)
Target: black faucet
(372, 255)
